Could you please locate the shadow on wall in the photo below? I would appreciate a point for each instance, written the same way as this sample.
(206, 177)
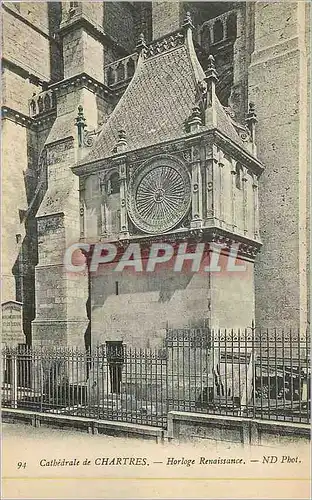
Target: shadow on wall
(103, 286)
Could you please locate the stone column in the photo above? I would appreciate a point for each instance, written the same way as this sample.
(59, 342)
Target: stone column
(256, 207)
(233, 178)
(221, 188)
(211, 191)
(216, 189)
(197, 197)
(82, 208)
(124, 232)
(245, 200)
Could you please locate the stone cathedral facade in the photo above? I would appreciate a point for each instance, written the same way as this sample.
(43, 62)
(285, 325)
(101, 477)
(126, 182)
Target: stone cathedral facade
(155, 122)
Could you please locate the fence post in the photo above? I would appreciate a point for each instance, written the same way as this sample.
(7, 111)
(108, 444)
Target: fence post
(14, 381)
(41, 385)
(254, 358)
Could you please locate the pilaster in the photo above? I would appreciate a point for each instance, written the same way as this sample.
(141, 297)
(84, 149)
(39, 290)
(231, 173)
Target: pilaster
(197, 198)
(278, 87)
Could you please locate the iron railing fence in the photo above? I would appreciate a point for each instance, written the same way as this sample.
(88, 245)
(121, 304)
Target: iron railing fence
(250, 373)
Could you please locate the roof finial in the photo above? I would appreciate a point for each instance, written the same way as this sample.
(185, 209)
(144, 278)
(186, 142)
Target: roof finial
(211, 79)
(122, 141)
(141, 44)
(211, 72)
(80, 123)
(188, 23)
(251, 121)
(195, 120)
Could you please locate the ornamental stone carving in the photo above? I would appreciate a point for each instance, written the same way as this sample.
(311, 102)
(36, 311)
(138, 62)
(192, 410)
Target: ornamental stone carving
(159, 194)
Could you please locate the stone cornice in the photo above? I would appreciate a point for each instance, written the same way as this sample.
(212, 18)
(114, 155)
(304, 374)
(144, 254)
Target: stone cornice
(17, 117)
(204, 137)
(83, 80)
(26, 121)
(248, 248)
(229, 146)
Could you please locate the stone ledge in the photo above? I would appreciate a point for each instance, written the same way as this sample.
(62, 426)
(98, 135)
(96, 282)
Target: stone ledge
(93, 426)
(252, 429)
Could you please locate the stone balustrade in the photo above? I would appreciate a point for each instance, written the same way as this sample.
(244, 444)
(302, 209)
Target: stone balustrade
(219, 29)
(121, 70)
(42, 102)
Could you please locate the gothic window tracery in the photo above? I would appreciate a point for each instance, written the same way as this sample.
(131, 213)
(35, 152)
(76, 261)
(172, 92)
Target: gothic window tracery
(47, 102)
(40, 104)
(110, 76)
(130, 68)
(113, 184)
(120, 72)
(33, 107)
(217, 31)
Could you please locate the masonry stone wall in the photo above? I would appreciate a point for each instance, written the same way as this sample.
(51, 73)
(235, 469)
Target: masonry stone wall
(281, 139)
(145, 304)
(14, 162)
(118, 22)
(16, 47)
(16, 91)
(35, 13)
(232, 296)
(82, 53)
(166, 17)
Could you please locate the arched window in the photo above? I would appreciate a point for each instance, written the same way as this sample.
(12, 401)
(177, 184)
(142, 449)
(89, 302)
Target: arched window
(231, 26)
(113, 184)
(53, 100)
(206, 37)
(40, 104)
(130, 68)
(238, 175)
(217, 31)
(120, 72)
(33, 107)
(47, 102)
(110, 76)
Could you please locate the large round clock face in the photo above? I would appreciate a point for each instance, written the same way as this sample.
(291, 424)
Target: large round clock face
(159, 196)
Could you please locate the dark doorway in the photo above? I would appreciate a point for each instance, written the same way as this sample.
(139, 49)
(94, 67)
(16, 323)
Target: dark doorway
(115, 359)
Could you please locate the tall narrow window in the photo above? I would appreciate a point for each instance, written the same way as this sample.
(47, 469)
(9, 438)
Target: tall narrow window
(113, 184)
(217, 32)
(130, 68)
(238, 176)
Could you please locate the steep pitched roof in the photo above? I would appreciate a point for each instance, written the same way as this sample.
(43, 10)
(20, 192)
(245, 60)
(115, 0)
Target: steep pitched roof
(157, 103)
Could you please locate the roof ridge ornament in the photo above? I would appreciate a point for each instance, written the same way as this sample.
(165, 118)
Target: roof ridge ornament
(122, 141)
(80, 123)
(85, 137)
(141, 44)
(251, 121)
(195, 120)
(187, 22)
(164, 44)
(211, 79)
